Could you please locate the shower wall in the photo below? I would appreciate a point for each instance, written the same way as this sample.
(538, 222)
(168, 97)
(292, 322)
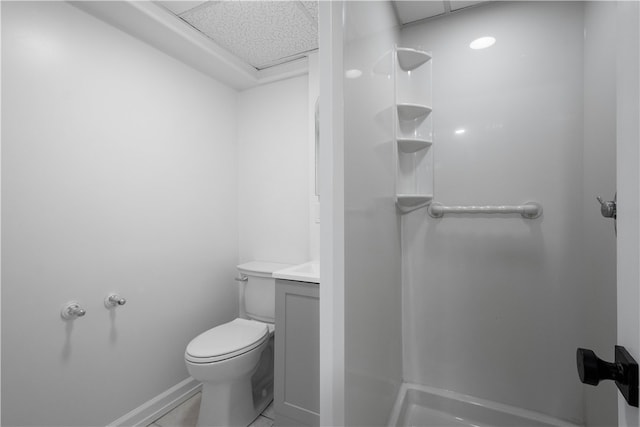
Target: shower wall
(373, 315)
(599, 179)
(495, 307)
(118, 175)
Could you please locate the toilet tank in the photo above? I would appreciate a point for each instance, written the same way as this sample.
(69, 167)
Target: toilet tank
(258, 298)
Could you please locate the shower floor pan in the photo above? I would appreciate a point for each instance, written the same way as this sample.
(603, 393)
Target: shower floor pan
(424, 406)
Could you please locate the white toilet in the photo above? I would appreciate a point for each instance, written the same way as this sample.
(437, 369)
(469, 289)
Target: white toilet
(234, 361)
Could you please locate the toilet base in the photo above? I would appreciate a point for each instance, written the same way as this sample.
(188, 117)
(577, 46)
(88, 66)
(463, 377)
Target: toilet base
(227, 404)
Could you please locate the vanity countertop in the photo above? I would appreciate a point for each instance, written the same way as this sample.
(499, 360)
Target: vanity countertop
(307, 272)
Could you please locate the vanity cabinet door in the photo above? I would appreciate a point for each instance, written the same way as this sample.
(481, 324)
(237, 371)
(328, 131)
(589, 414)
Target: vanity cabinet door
(297, 359)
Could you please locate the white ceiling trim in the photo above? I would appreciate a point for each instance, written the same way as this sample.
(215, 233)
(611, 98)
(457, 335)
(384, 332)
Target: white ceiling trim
(160, 28)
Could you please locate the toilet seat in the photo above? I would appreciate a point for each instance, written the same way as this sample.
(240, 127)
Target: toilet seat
(226, 341)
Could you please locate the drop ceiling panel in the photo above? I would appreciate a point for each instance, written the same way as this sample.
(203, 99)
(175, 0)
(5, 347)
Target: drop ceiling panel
(415, 10)
(410, 11)
(179, 7)
(311, 8)
(459, 4)
(262, 33)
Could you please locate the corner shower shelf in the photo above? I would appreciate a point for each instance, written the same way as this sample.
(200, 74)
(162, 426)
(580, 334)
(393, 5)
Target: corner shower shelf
(409, 202)
(411, 145)
(413, 129)
(410, 59)
(407, 112)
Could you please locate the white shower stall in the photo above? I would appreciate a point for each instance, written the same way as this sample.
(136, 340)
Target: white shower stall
(484, 307)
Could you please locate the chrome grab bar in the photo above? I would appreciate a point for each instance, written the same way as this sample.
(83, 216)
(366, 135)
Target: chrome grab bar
(528, 210)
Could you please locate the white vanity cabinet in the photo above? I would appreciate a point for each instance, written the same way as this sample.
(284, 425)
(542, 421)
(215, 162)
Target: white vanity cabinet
(297, 354)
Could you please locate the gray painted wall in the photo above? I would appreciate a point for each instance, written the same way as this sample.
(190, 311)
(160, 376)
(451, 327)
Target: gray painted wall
(118, 166)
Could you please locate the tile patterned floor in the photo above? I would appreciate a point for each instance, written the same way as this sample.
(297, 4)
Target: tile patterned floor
(186, 415)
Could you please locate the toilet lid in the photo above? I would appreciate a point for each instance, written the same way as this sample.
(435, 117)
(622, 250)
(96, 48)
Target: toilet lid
(227, 340)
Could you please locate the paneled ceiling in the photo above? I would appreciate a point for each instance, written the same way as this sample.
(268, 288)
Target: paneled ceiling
(411, 11)
(261, 33)
(264, 33)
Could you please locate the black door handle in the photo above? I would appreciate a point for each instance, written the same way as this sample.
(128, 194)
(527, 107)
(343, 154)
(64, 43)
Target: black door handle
(624, 371)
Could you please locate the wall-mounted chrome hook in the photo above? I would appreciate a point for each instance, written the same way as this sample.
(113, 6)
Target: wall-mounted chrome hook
(72, 310)
(114, 300)
(610, 210)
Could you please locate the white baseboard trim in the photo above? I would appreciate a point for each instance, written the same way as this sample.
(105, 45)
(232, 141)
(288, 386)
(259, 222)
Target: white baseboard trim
(153, 409)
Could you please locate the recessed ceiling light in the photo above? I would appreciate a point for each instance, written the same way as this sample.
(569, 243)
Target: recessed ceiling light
(460, 131)
(353, 74)
(482, 42)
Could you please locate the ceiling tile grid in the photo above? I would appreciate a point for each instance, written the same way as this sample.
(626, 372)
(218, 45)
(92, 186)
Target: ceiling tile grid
(409, 11)
(263, 33)
(180, 6)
